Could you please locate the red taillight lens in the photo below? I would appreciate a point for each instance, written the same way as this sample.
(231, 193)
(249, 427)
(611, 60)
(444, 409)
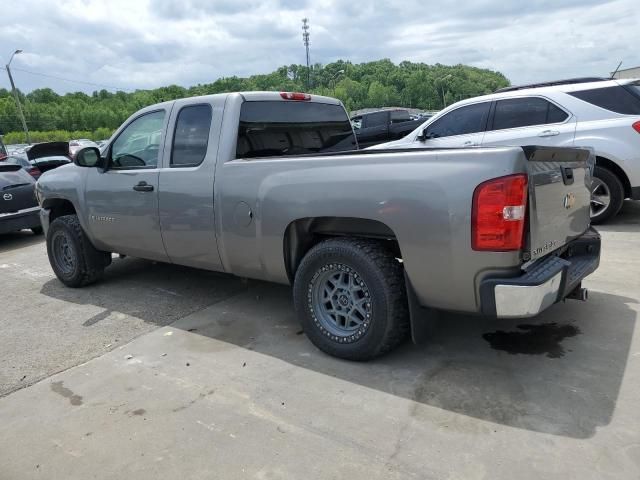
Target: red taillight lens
(636, 126)
(295, 96)
(498, 214)
(35, 172)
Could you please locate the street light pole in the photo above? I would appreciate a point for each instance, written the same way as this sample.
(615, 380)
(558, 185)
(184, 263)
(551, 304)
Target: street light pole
(17, 98)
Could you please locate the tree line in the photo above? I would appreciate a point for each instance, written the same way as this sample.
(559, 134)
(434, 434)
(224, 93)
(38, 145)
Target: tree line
(381, 83)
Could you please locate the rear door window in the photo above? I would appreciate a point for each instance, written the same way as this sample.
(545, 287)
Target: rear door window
(616, 99)
(525, 112)
(281, 128)
(461, 121)
(191, 136)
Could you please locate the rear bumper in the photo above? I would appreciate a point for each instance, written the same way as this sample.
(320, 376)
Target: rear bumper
(545, 283)
(28, 218)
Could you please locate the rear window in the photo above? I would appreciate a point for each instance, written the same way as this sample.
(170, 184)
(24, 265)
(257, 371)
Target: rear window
(292, 128)
(616, 99)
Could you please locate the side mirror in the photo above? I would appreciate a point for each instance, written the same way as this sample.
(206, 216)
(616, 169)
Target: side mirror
(88, 157)
(424, 135)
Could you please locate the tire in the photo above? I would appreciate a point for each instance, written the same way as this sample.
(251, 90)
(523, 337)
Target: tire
(354, 333)
(74, 260)
(37, 230)
(607, 195)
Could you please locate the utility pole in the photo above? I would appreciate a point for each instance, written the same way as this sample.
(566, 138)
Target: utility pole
(17, 98)
(305, 39)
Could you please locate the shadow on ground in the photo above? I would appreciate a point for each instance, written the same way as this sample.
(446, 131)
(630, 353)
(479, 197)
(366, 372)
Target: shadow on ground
(559, 373)
(16, 240)
(627, 220)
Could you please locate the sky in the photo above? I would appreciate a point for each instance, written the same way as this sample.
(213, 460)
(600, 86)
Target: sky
(139, 44)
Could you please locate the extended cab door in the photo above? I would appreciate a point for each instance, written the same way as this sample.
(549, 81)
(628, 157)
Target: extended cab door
(461, 127)
(186, 198)
(530, 121)
(122, 201)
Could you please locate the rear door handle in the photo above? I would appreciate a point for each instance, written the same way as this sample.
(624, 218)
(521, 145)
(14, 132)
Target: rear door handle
(143, 187)
(549, 133)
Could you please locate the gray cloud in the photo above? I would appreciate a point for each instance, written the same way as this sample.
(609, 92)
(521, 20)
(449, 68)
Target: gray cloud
(149, 44)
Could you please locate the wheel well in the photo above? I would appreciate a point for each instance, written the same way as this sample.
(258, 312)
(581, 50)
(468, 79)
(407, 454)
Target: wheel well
(59, 207)
(301, 235)
(617, 171)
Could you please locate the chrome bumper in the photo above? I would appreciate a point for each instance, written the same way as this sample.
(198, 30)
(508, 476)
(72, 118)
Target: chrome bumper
(548, 281)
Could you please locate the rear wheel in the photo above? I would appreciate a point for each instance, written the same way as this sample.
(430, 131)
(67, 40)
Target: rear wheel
(607, 195)
(350, 298)
(74, 260)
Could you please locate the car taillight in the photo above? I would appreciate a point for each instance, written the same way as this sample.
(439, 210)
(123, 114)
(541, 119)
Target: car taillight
(636, 126)
(499, 213)
(295, 96)
(34, 172)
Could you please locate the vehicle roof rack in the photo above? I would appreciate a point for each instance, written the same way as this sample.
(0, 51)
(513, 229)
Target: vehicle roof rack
(568, 81)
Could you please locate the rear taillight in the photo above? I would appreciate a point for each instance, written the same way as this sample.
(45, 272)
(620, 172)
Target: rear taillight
(295, 96)
(636, 126)
(34, 172)
(499, 213)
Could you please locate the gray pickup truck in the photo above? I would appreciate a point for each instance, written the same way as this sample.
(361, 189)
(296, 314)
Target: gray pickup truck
(268, 186)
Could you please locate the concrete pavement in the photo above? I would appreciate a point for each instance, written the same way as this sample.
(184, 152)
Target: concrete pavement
(218, 382)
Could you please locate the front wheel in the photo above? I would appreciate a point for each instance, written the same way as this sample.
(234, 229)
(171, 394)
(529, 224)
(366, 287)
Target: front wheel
(74, 260)
(350, 297)
(607, 195)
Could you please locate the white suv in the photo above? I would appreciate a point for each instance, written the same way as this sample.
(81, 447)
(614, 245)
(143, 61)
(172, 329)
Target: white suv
(591, 112)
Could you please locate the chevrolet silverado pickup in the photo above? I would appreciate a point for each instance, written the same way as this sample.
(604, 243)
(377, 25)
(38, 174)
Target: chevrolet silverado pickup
(267, 185)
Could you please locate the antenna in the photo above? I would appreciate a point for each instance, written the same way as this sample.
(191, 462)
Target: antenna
(305, 40)
(616, 70)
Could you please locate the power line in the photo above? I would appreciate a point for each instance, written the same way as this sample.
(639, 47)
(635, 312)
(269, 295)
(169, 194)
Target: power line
(110, 87)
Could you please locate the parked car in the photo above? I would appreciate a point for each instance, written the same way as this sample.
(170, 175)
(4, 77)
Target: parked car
(42, 157)
(382, 126)
(49, 155)
(18, 206)
(75, 145)
(3, 150)
(26, 165)
(259, 185)
(599, 113)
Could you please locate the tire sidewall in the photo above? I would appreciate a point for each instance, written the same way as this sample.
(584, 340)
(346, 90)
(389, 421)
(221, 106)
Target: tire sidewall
(73, 278)
(378, 326)
(616, 191)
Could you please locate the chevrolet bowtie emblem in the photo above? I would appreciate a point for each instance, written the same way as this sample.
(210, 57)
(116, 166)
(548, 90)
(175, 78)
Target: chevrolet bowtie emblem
(569, 200)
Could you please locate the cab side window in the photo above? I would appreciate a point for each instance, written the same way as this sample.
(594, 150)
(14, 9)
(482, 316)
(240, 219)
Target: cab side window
(461, 121)
(138, 145)
(525, 112)
(191, 136)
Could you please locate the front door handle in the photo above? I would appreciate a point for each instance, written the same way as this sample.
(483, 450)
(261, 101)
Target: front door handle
(469, 143)
(143, 187)
(549, 133)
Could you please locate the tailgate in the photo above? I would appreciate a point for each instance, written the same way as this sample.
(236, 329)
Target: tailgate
(559, 196)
